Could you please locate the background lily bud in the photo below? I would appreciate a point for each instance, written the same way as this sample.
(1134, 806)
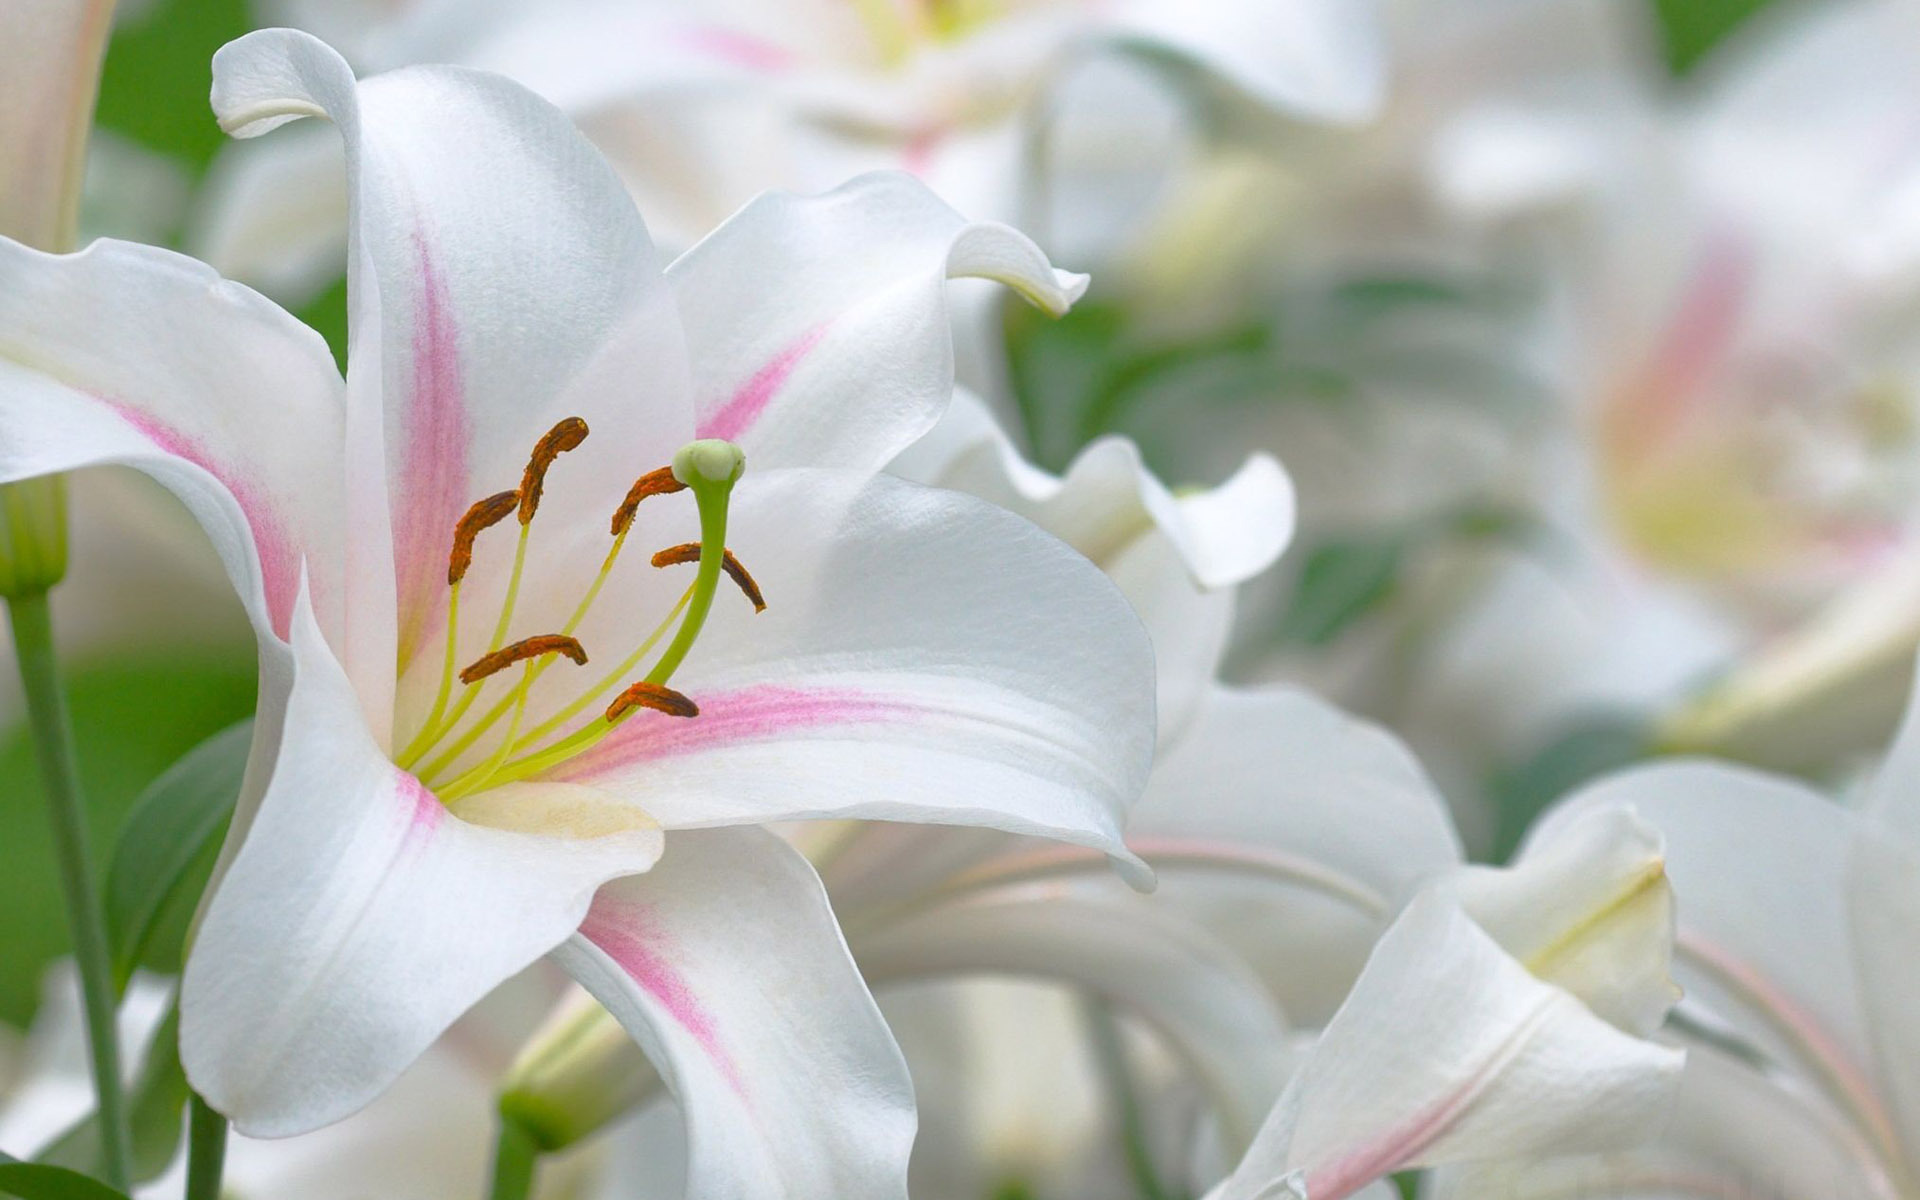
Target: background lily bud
(33, 535)
(580, 1072)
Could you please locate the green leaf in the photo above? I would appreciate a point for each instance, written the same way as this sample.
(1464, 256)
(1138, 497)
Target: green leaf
(1691, 28)
(1343, 580)
(156, 1103)
(133, 716)
(174, 828)
(35, 1181)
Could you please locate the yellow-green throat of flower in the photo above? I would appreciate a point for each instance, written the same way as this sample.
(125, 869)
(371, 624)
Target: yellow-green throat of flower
(708, 468)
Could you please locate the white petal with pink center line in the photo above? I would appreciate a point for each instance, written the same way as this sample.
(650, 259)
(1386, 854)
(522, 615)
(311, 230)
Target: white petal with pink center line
(99, 363)
(908, 667)
(360, 918)
(1449, 1051)
(726, 965)
(819, 324)
(458, 180)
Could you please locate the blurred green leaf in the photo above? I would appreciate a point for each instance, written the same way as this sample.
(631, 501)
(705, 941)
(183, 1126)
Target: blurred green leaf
(133, 716)
(158, 71)
(175, 826)
(1600, 742)
(157, 1102)
(1690, 28)
(1342, 581)
(33, 1181)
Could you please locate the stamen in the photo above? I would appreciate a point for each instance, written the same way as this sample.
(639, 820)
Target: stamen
(652, 695)
(533, 647)
(687, 552)
(558, 440)
(658, 482)
(483, 515)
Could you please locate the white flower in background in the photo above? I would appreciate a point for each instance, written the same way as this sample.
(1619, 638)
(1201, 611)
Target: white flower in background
(1798, 916)
(702, 105)
(405, 843)
(1286, 837)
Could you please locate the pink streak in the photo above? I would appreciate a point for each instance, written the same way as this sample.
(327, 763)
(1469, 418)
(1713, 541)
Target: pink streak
(628, 938)
(279, 555)
(916, 157)
(737, 415)
(1670, 387)
(729, 718)
(1819, 1050)
(433, 478)
(736, 48)
(1398, 1147)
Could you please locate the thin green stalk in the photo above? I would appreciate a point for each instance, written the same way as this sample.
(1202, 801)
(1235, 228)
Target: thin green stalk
(206, 1150)
(515, 1154)
(53, 741)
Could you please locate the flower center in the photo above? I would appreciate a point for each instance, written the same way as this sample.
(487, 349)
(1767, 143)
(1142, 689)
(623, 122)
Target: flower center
(439, 754)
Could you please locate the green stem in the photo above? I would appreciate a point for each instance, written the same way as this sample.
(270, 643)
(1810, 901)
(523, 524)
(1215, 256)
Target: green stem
(515, 1154)
(206, 1150)
(53, 740)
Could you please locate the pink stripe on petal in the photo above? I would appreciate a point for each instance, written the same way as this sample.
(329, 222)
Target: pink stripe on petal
(432, 485)
(730, 718)
(736, 48)
(641, 952)
(738, 414)
(278, 553)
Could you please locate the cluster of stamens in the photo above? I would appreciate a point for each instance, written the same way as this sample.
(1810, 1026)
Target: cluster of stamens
(708, 469)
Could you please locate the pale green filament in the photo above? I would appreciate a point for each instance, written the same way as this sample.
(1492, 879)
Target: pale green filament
(432, 734)
(423, 741)
(478, 776)
(435, 729)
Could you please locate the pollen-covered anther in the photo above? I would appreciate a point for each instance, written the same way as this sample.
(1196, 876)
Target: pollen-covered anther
(525, 648)
(654, 696)
(687, 552)
(557, 441)
(482, 515)
(658, 482)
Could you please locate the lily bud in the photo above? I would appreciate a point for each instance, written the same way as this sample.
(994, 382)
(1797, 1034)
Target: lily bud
(580, 1072)
(33, 535)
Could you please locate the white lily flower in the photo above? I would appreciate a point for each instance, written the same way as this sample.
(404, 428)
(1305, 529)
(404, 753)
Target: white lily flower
(390, 863)
(700, 106)
(1797, 918)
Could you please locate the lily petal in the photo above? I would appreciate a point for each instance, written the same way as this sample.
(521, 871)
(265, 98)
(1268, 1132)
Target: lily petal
(458, 180)
(1761, 867)
(101, 362)
(1171, 973)
(726, 965)
(1298, 868)
(924, 656)
(1447, 1051)
(1587, 907)
(819, 324)
(360, 918)
(1317, 58)
(49, 69)
(1171, 556)
(1732, 1128)
(274, 213)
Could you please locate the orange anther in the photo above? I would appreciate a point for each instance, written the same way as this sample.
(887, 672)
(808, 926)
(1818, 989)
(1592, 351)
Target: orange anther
(658, 482)
(652, 695)
(533, 647)
(687, 552)
(484, 513)
(558, 440)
